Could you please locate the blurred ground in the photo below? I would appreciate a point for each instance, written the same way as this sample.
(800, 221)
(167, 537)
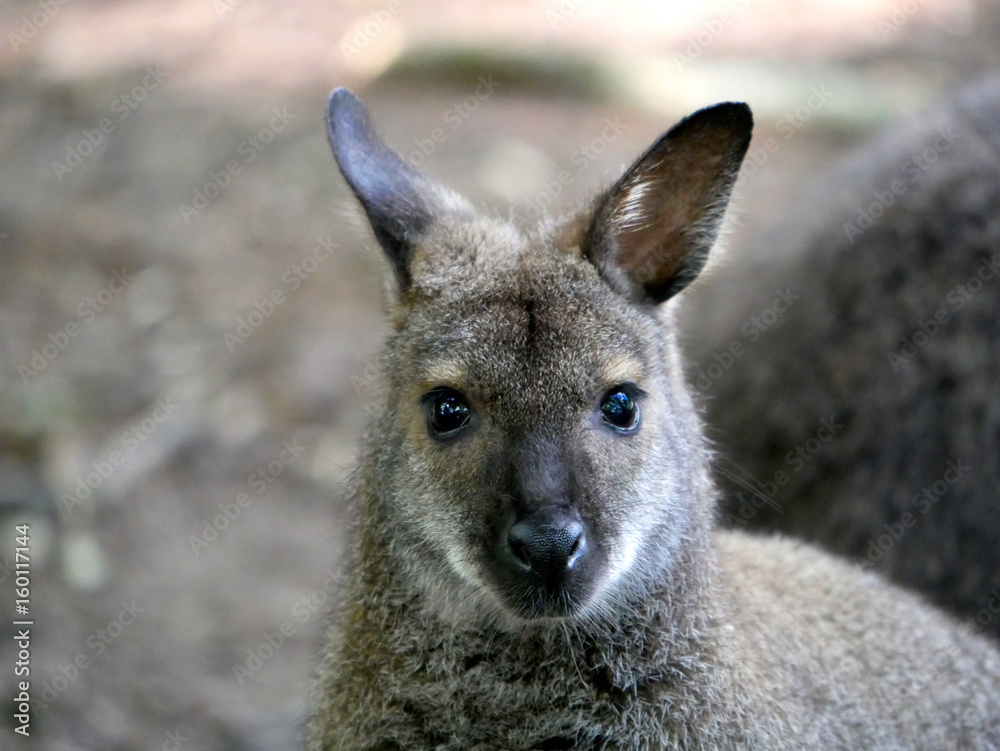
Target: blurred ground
(189, 302)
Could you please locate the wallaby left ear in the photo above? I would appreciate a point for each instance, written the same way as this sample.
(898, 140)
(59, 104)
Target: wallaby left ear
(400, 202)
(651, 232)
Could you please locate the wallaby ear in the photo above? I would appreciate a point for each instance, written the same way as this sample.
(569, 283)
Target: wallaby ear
(651, 232)
(399, 201)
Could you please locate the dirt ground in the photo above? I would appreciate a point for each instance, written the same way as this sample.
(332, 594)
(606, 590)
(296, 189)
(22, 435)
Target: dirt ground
(190, 302)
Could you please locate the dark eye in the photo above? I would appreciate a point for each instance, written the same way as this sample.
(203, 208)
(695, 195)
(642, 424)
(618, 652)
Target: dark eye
(619, 410)
(449, 412)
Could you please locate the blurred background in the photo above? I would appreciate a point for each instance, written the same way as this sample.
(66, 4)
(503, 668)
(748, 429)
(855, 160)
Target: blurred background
(190, 303)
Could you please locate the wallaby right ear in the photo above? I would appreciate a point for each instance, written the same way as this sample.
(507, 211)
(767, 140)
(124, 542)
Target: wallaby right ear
(651, 232)
(399, 201)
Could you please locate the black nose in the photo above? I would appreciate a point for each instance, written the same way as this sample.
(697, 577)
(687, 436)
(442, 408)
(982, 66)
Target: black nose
(548, 542)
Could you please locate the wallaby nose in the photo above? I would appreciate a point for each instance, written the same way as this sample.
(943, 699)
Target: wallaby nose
(548, 542)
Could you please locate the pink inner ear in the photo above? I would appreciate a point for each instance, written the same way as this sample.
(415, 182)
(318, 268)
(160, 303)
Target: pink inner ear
(658, 214)
(653, 230)
(650, 254)
(652, 223)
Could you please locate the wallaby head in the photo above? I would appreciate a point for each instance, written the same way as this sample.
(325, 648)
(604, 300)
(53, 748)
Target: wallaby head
(536, 443)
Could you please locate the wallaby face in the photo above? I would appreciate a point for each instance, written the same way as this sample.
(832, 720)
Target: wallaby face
(546, 452)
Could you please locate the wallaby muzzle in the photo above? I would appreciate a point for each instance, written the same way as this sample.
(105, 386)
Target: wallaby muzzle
(544, 563)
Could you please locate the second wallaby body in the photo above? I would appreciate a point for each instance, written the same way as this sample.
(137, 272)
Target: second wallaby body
(535, 564)
(893, 340)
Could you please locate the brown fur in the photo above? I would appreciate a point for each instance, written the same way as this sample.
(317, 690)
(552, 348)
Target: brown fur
(665, 634)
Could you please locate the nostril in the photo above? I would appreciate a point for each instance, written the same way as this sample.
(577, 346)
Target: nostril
(579, 546)
(519, 543)
(521, 552)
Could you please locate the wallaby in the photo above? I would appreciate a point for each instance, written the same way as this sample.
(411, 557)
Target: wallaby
(535, 564)
(892, 340)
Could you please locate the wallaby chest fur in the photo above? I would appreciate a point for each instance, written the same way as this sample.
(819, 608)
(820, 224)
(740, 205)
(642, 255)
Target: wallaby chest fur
(535, 564)
(732, 676)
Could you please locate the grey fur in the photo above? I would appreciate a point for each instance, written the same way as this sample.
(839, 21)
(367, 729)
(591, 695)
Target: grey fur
(919, 435)
(677, 637)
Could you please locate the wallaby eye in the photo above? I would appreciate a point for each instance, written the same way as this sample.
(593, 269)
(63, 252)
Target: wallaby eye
(619, 410)
(449, 412)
